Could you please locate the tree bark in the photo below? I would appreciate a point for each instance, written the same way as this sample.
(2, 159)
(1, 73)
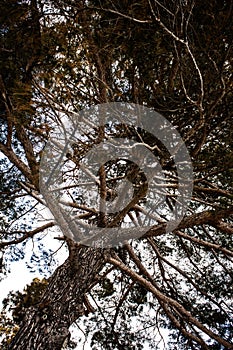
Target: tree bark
(46, 325)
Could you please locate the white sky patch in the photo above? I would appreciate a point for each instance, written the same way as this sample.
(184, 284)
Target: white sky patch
(20, 274)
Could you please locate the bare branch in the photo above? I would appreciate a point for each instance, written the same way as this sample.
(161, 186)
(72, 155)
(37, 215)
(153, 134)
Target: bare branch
(27, 235)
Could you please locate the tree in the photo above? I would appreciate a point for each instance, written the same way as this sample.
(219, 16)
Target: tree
(18, 302)
(174, 57)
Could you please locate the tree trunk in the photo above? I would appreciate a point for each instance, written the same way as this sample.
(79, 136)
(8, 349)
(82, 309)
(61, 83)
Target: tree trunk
(46, 325)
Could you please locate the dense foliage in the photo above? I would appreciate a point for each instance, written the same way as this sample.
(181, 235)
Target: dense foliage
(166, 290)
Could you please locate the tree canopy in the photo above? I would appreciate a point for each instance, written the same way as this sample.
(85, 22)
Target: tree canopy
(166, 289)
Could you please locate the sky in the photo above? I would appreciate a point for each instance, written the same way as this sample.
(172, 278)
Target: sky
(20, 275)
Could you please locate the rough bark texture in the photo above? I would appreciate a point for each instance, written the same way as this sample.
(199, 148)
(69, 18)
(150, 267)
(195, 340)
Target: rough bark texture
(46, 325)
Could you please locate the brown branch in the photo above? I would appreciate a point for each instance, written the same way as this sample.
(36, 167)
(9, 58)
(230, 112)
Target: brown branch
(223, 226)
(29, 152)
(206, 217)
(120, 14)
(169, 301)
(179, 326)
(9, 110)
(16, 161)
(103, 195)
(204, 243)
(214, 190)
(184, 274)
(27, 235)
(139, 264)
(120, 303)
